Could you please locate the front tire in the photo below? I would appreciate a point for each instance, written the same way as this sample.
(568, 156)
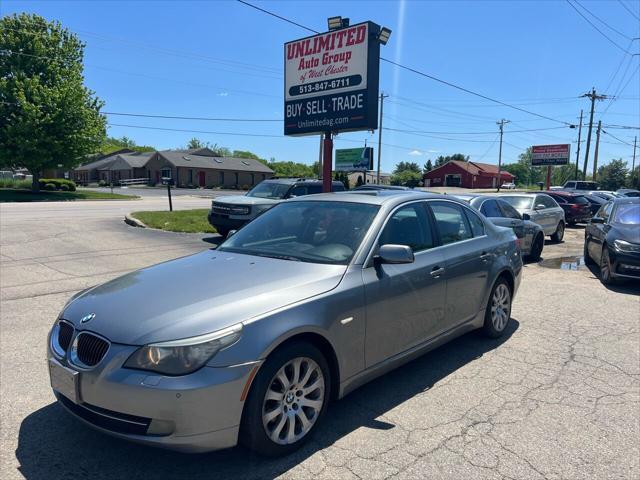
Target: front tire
(223, 231)
(605, 267)
(587, 258)
(287, 400)
(559, 233)
(498, 311)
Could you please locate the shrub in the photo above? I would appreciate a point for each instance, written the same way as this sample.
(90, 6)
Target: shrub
(13, 183)
(64, 187)
(49, 187)
(103, 183)
(57, 183)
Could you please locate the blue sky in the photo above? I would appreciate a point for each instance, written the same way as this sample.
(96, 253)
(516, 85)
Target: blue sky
(224, 59)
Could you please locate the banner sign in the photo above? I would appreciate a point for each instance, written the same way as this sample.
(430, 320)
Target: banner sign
(543, 155)
(331, 81)
(354, 159)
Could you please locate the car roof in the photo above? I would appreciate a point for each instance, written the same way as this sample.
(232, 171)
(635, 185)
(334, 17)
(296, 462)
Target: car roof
(516, 194)
(374, 197)
(618, 201)
(291, 181)
(562, 193)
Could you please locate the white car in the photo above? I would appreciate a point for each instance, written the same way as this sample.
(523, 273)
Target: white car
(509, 186)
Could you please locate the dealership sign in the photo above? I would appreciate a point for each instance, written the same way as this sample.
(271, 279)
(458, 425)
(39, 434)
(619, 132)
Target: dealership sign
(354, 159)
(543, 155)
(331, 81)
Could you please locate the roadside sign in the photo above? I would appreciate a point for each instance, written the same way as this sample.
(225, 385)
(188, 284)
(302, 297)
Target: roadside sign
(354, 159)
(544, 155)
(331, 81)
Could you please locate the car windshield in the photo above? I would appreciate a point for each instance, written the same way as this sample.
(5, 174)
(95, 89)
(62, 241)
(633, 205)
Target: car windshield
(627, 214)
(272, 190)
(519, 203)
(311, 231)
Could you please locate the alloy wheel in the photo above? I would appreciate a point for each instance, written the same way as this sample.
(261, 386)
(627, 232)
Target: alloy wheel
(293, 401)
(560, 231)
(500, 307)
(605, 266)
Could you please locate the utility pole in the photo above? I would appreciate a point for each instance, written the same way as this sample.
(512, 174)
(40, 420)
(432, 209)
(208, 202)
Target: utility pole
(593, 96)
(320, 158)
(501, 123)
(578, 150)
(633, 162)
(595, 154)
(382, 97)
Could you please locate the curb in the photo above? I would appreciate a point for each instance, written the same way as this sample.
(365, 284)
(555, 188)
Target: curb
(134, 222)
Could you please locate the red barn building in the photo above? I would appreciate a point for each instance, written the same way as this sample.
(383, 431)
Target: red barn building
(456, 173)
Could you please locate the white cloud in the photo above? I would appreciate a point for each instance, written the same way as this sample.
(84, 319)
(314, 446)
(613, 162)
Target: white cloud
(415, 153)
(433, 151)
(223, 94)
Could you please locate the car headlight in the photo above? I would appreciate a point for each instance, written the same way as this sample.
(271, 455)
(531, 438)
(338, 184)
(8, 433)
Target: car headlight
(180, 357)
(626, 247)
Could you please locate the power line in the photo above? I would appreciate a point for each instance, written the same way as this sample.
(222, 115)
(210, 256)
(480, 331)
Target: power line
(602, 21)
(488, 132)
(409, 132)
(236, 134)
(628, 9)
(210, 119)
(599, 31)
(620, 90)
(417, 72)
(618, 139)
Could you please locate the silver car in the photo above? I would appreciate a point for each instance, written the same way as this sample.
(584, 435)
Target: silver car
(250, 341)
(530, 234)
(541, 209)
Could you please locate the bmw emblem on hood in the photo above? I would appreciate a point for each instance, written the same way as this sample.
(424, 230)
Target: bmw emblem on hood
(88, 318)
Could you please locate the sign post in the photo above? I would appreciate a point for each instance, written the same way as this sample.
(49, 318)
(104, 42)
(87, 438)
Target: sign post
(331, 85)
(549, 155)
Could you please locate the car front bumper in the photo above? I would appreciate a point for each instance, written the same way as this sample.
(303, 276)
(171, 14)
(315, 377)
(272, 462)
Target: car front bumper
(191, 413)
(227, 222)
(624, 265)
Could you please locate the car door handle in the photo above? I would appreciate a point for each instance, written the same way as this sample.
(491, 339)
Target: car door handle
(485, 256)
(437, 271)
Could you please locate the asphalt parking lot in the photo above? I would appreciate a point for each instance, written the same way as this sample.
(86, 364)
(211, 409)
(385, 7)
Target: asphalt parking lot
(557, 397)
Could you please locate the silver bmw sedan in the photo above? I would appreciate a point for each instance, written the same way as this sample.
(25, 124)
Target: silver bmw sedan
(249, 342)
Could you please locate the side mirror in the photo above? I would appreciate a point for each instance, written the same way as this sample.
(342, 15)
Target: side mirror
(231, 233)
(597, 220)
(540, 207)
(394, 254)
(526, 216)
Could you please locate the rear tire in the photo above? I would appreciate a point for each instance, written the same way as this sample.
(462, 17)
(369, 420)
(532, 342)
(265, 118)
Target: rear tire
(559, 233)
(536, 248)
(223, 232)
(498, 312)
(287, 400)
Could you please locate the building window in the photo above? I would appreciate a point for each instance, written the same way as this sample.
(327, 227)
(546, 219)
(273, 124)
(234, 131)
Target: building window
(221, 178)
(236, 178)
(190, 181)
(166, 173)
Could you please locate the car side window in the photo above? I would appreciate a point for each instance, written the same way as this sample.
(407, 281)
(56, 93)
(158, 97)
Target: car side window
(477, 226)
(605, 211)
(508, 210)
(298, 191)
(546, 200)
(311, 189)
(409, 225)
(451, 221)
(570, 185)
(490, 208)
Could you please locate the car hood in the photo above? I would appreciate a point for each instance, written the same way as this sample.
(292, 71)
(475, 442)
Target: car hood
(196, 295)
(244, 200)
(628, 233)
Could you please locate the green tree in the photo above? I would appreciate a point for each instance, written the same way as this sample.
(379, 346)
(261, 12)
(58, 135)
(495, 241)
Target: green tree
(407, 166)
(523, 171)
(427, 167)
(613, 175)
(111, 144)
(291, 169)
(195, 143)
(245, 154)
(47, 115)
(407, 178)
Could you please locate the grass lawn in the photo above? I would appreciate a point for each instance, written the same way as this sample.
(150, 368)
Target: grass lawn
(189, 221)
(11, 195)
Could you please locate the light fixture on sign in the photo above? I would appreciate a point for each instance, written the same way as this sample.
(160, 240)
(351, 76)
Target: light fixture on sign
(334, 23)
(383, 36)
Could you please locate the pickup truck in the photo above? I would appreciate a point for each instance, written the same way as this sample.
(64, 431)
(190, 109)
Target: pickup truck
(577, 185)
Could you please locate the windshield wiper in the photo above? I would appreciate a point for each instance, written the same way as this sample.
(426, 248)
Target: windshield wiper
(279, 257)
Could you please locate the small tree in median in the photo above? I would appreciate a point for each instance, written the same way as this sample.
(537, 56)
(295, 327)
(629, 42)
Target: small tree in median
(47, 116)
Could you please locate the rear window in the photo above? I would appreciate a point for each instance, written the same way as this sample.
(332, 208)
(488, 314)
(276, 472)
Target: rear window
(519, 203)
(580, 200)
